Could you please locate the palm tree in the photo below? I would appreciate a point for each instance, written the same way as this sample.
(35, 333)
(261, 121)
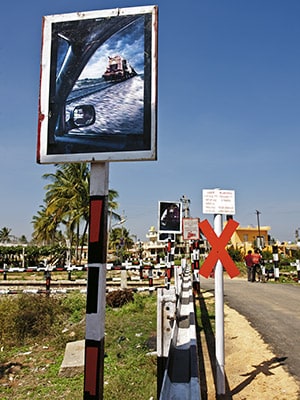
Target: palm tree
(5, 235)
(120, 240)
(44, 226)
(67, 203)
(23, 239)
(112, 206)
(68, 198)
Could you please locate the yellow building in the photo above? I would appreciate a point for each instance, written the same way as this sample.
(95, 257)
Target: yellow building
(246, 238)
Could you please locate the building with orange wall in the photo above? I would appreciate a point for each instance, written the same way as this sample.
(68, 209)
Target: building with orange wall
(246, 238)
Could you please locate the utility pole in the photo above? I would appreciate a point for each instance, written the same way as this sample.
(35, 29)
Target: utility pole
(186, 214)
(186, 206)
(258, 227)
(297, 235)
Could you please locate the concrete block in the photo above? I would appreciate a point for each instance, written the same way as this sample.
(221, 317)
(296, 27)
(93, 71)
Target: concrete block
(73, 362)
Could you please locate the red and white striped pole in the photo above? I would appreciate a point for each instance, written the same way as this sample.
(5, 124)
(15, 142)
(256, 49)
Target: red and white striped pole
(275, 262)
(170, 261)
(195, 266)
(96, 283)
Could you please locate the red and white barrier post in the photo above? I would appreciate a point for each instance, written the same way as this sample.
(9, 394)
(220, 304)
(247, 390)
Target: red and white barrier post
(96, 283)
(195, 256)
(276, 262)
(170, 262)
(298, 270)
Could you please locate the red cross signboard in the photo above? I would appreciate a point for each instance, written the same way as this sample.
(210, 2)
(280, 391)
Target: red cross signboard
(218, 251)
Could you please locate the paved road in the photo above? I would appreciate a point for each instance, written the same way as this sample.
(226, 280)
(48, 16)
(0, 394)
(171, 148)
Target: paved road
(272, 309)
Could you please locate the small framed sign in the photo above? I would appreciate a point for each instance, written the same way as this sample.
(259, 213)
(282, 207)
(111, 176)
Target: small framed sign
(169, 217)
(217, 201)
(190, 228)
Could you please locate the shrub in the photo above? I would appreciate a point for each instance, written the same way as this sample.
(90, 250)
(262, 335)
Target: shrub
(27, 316)
(235, 254)
(118, 298)
(36, 315)
(8, 309)
(75, 304)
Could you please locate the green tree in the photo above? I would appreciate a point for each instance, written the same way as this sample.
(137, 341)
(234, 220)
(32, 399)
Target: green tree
(67, 198)
(67, 205)
(112, 207)
(120, 241)
(23, 239)
(44, 226)
(235, 254)
(5, 235)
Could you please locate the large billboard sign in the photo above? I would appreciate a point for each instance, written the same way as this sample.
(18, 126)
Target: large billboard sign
(169, 217)
(98, 88)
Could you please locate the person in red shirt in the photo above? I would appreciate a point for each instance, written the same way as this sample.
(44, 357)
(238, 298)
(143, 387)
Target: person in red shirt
(249, 265)
(256, 259)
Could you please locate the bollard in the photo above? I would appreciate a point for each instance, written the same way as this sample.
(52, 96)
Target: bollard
(123, 278)
(4, 271)
(276, 262)
(69, 274)
(168, 271)
(298, 270)
(170, 261)
(166, 316)
(141, 270)
(178, 275)
(150, 278)
(195, 267)
(48, 281)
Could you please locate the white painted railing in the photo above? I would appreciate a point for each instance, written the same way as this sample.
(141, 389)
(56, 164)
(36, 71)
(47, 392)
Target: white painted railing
(178, 357)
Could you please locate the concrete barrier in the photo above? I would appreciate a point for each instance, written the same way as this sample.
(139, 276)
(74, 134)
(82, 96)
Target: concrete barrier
(181, 376)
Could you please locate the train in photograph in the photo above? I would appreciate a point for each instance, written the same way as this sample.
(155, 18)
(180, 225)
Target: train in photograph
(118, 69)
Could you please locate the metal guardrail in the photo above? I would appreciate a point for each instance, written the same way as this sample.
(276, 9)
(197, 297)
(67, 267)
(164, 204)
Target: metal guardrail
(177, 327)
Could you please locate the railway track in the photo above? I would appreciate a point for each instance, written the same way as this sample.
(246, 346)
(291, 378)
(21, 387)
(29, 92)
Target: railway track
(63, 286)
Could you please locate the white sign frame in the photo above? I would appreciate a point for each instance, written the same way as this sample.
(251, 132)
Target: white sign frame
(218, 201)
(61, 69)
(190, 228)
(170, 225)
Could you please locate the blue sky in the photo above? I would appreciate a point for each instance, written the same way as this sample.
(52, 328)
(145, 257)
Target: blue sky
(228, 112)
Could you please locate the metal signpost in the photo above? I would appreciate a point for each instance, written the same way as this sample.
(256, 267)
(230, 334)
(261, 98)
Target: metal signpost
(191, 235)
(86, 72)
(169, 224)
(219, 202)
(96, 284)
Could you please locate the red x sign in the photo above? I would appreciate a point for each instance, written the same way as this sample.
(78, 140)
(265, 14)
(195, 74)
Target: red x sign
(218, 251)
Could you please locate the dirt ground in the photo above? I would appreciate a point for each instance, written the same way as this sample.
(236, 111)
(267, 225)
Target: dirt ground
(252, 371)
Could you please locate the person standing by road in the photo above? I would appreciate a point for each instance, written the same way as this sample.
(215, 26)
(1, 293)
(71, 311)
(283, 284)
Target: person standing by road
(249, 265)
(256, 268)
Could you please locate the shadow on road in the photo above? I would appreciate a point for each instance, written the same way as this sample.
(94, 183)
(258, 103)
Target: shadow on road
(263, 368)
(205, 324)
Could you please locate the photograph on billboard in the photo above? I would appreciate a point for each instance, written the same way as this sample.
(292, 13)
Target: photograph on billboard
(98, 86)
(169, 217)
